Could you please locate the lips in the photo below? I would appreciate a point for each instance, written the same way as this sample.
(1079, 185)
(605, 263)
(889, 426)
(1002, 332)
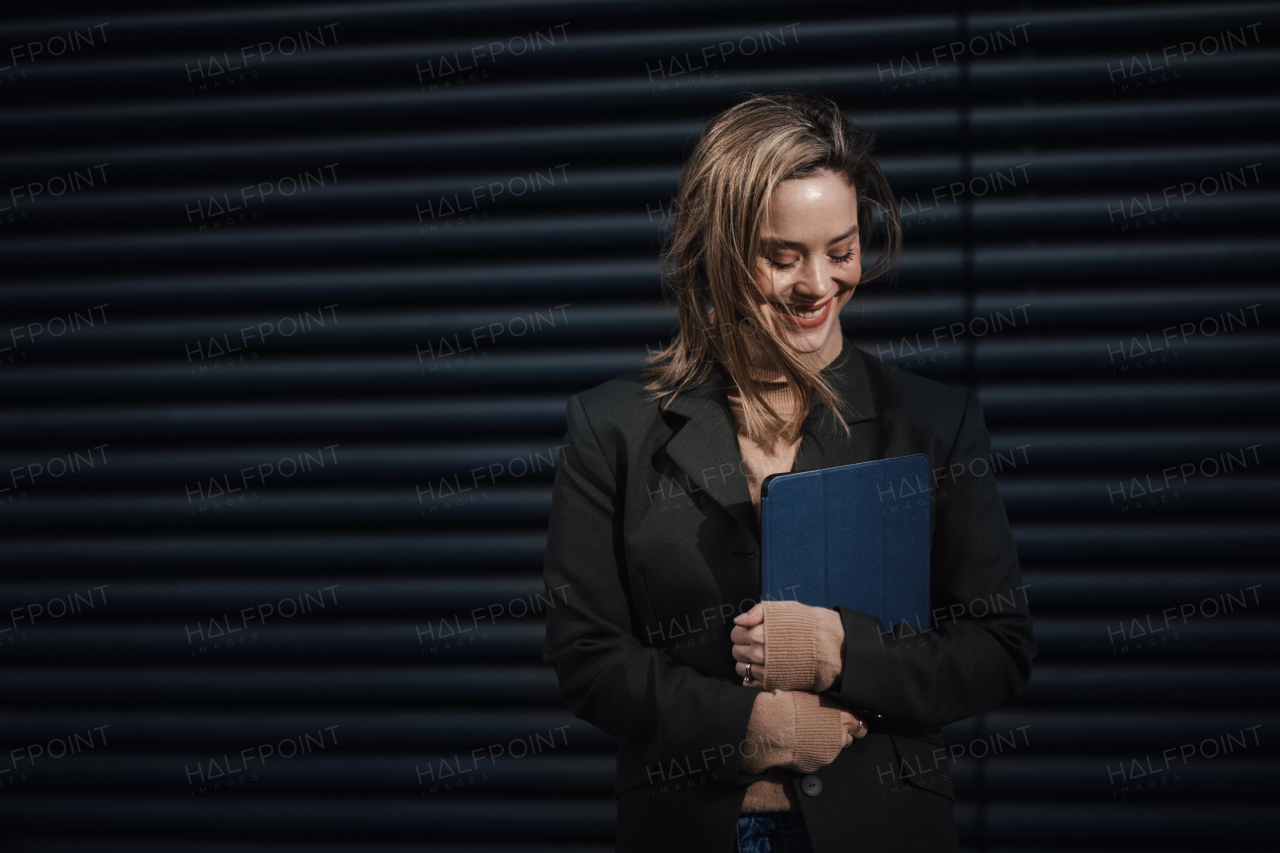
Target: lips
(810, 317)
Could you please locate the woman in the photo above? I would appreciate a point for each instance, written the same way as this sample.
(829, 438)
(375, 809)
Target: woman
(768, 725)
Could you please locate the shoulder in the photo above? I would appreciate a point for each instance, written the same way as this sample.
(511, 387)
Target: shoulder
(622, 406)
(620, 400)
(623, 395)
(902, 395)
(905, 387)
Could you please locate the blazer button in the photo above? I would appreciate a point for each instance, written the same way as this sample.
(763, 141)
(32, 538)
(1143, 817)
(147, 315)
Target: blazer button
(811, 785)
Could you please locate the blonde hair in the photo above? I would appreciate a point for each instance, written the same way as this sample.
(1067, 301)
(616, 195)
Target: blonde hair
(713, 246)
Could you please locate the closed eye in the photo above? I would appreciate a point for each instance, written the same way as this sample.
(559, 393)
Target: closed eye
(841, 259)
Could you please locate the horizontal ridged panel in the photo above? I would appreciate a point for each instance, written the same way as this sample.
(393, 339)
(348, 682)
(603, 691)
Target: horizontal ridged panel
(1094, 258)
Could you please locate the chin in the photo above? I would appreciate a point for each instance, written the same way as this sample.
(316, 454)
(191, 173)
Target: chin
(809, 340)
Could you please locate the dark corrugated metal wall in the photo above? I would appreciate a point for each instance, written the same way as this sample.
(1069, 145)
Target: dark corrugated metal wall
(293, 297)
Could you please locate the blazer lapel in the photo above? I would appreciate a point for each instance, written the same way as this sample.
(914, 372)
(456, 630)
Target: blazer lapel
(706, 446)
(706, 449)
(824, 444)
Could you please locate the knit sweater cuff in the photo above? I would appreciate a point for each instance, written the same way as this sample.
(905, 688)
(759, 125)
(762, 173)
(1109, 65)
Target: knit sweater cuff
(804, 646)
(819, 733)
(771, 732)
(830, 664)
(792, 728)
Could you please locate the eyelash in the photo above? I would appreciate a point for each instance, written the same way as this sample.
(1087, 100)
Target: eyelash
(843, 259)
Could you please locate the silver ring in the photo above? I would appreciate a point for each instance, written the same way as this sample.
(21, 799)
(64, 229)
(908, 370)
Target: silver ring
(747, 678)
(858, 729)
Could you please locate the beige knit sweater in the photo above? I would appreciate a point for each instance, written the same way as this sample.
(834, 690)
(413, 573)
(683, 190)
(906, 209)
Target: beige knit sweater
(791, 726)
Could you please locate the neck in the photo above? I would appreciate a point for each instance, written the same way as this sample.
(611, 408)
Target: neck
(776, 392)
(764, 370)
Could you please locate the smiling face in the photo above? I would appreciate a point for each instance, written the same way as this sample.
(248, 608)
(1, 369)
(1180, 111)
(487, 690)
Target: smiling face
(810, 259)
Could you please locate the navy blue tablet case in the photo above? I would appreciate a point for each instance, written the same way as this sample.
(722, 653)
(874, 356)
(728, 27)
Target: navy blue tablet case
(853, 535)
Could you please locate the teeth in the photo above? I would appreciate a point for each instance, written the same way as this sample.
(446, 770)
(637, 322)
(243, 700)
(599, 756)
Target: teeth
(808, 315)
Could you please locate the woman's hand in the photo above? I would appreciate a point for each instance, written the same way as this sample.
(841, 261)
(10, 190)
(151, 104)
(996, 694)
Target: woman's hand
(853, 728)
(802, 646)
(748, 645)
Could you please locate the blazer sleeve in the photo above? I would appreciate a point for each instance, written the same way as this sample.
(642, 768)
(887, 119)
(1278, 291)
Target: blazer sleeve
(638, 694)
(978, 653)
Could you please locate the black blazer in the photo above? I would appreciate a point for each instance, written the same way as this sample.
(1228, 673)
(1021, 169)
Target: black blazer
(654, 546)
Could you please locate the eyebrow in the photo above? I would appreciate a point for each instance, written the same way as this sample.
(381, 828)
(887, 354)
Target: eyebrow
(791, 244)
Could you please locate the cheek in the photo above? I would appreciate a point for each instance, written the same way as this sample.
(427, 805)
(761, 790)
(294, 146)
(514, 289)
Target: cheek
(853, 272)
(768, 281)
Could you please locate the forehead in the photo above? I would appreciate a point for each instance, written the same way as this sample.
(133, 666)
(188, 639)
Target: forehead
(825, 183)
(813, 206)
(823, 190)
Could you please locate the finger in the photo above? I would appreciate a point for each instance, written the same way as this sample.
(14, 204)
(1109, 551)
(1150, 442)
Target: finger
(752, 617)
(740, 635)
(861, 732)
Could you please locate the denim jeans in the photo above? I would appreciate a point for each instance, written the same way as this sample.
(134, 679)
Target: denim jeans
(772, 832)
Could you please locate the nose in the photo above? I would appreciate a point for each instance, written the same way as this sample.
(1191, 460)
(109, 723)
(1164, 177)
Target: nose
(811, 284)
